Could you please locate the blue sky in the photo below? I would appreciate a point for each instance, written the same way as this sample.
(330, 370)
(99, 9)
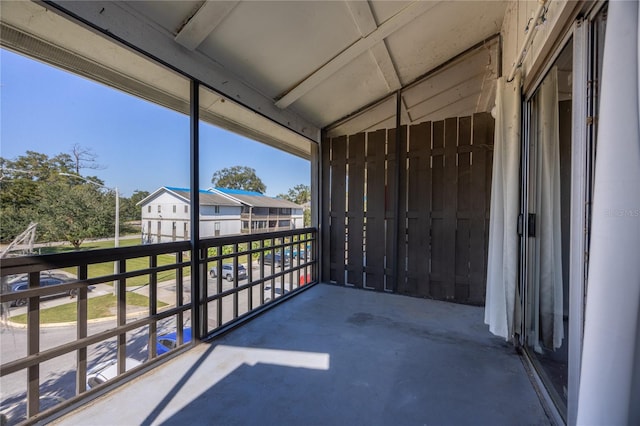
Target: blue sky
(142, 145)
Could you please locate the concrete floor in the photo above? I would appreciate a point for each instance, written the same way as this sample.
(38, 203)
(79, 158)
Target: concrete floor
(335, 356)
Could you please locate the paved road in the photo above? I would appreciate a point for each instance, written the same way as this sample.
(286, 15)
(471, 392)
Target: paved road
(57, 376)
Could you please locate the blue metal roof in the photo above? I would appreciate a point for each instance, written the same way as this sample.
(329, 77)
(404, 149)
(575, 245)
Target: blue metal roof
(173, 188)
(240, 192)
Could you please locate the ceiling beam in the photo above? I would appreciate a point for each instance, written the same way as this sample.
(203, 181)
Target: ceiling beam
(115, 19)
(386, 66)
(362, 16)
(365, 21)
(203, 22)
(398, 21)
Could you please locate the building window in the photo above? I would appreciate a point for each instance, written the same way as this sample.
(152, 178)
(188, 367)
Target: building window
(273, 211)
(284, 223)
(186, 209)
(272, 223)
(216, 209)
(159, 208)
(149, 208)
(285, 211)
(174, 208)
(245, 224)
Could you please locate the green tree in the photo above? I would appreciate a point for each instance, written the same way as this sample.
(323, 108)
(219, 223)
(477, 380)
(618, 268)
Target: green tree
(129, 211)
(299, 194)
(238, 177)
(32, 190)
(74, 212)
(20, 188)
(306, 217)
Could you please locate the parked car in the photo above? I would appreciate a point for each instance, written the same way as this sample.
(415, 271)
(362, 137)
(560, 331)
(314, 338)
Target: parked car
(276, 260)
(22, 284)
(107, 370)
(167, 342)
(228, 273)
(304, 252)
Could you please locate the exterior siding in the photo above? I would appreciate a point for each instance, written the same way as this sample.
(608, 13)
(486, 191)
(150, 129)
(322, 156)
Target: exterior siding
(166, 217)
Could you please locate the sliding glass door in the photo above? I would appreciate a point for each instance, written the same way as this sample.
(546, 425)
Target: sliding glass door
(560, 127)
(546, 291)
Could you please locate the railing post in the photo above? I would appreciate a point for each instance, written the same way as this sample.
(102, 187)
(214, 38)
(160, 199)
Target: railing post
(153, 306)
(204, 290)
(81, 327)
(261, 266)
(235, 280)
(179, 297)
(219, 287)
(121, 316)
(33, 347)
(250, 273)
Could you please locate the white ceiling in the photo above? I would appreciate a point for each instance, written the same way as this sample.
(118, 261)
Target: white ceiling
(308, 64)
(326, 59)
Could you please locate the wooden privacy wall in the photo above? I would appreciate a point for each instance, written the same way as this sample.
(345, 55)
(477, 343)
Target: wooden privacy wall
(444, 183)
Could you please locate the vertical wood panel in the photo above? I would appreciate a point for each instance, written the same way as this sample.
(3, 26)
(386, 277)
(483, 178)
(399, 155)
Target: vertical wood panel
(438, 267)
(483, 128)
(450, 204)
(375, 233)
(402, 210)
(338, 211)
(390, 207)
(463, 216)
(419, 210)
(355, 213)
(444, 173)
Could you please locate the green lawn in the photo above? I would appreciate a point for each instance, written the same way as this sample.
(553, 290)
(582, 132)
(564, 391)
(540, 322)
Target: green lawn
(106, 268)
(98, 307)
(90, 245)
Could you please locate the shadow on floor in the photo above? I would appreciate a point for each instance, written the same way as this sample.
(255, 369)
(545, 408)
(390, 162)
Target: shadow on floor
(335, 355)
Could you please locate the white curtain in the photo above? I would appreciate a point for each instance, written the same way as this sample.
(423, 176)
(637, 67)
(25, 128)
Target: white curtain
(502, 263)
(610, 376)
(547, 306)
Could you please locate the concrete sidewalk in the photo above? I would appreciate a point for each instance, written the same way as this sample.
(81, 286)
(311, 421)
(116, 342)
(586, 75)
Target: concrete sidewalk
(335, 356)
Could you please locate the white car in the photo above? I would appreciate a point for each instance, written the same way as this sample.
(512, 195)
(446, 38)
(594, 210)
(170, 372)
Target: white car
(106, 371)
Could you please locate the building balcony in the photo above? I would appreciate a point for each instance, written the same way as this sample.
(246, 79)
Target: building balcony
(334, 355)
(49, 367)
(328, 355)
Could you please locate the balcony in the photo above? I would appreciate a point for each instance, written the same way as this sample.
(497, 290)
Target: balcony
(329, 355)
(335, 355)
(45, 369)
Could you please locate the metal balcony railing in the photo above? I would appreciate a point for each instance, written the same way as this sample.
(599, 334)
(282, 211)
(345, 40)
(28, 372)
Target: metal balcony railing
(276, 265)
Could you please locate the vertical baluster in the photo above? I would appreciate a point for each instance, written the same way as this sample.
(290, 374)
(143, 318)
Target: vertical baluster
(81, 331)
(33, 347)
